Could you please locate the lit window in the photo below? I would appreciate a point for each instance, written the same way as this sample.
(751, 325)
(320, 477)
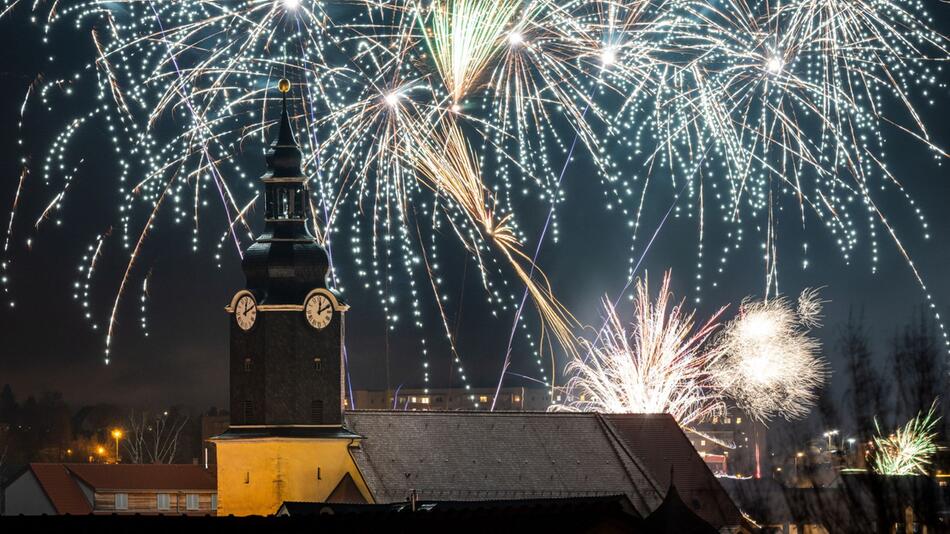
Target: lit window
(728, 420)
(702, 442)
(738, 420)
(214, 501)
(191, 501)
(517, 398)
(424, 400)
(715, 420)
(164, 501)
(413, 399)
(121, 501)
(483, 398)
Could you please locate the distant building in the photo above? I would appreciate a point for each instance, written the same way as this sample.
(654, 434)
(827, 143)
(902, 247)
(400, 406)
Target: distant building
(79, 489)
(510, 399)
(734, 444)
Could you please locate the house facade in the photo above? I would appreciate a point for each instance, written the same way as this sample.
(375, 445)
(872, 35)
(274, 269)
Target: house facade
(81, 489)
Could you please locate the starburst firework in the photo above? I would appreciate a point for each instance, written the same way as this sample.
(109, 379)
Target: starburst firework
(742, 106)
(908, 450)
(771, 365)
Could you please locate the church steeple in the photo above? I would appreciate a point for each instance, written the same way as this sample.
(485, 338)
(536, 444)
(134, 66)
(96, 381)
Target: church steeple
(287, 330)
(285, 262)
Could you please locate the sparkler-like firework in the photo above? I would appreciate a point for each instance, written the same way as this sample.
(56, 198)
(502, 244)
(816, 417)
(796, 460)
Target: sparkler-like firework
(658, 365)
(741, 105)
(908, 450)
(771, 365)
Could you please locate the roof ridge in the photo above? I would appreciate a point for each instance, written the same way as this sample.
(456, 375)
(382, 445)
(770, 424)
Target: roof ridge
(617, 442)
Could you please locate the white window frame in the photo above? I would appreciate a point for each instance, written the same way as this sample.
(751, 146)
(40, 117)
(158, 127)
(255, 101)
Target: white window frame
(167, 505)
(192, 502)
(121, 501)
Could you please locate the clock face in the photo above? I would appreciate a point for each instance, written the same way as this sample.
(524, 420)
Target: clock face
(319, 311)
(245, 312)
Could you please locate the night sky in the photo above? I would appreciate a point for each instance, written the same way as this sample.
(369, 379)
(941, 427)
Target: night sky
(46, 344)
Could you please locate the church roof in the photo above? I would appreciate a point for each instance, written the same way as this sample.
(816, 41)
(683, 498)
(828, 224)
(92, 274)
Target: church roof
(468, 456)
(656, 439)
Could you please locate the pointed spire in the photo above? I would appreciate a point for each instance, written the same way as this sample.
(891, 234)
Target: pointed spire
(283, 158)
(286, 135)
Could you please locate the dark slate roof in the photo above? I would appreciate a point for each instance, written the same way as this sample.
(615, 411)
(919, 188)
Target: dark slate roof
(674, 515)
(495, 506)
(467, 456)
(656, 439)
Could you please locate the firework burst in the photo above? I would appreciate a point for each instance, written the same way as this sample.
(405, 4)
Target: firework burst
(908, 450)
(771, 364)
(658, 365)
(741, 106)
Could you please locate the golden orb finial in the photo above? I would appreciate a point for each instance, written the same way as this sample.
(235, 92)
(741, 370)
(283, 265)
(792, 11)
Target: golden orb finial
(284, 85)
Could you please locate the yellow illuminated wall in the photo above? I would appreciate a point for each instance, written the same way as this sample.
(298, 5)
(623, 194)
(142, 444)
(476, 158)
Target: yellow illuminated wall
(256, 476)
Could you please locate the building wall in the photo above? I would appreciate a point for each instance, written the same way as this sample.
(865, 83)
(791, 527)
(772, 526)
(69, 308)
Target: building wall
(256, 476)
(25, 496)
(147, 502)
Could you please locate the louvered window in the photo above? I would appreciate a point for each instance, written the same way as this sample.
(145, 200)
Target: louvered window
(248, 411)
(316, 412)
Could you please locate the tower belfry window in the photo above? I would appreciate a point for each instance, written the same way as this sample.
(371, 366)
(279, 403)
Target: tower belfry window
(247, 365)
(316, 412)
(318, 364)
(248, 411)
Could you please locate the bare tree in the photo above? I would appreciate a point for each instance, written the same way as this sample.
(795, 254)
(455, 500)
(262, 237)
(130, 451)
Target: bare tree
(918, 367)
(867, 393)
(154, 440)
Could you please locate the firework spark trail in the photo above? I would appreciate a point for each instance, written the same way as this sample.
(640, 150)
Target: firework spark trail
(447, 167)
(908, 450)
(744, 103)
(534, 261)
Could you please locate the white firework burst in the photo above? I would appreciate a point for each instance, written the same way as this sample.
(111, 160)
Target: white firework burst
(771, 366)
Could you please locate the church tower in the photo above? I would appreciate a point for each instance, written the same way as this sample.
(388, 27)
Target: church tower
(286, 441)
(287, 326)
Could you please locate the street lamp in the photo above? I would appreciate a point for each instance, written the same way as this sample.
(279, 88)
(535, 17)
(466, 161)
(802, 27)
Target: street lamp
(829, 434)
(101, 451)
(117, 435)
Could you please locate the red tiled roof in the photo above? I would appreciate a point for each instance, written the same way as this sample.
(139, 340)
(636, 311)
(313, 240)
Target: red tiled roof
(145, 476)
(662, 446)
(61, 489)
